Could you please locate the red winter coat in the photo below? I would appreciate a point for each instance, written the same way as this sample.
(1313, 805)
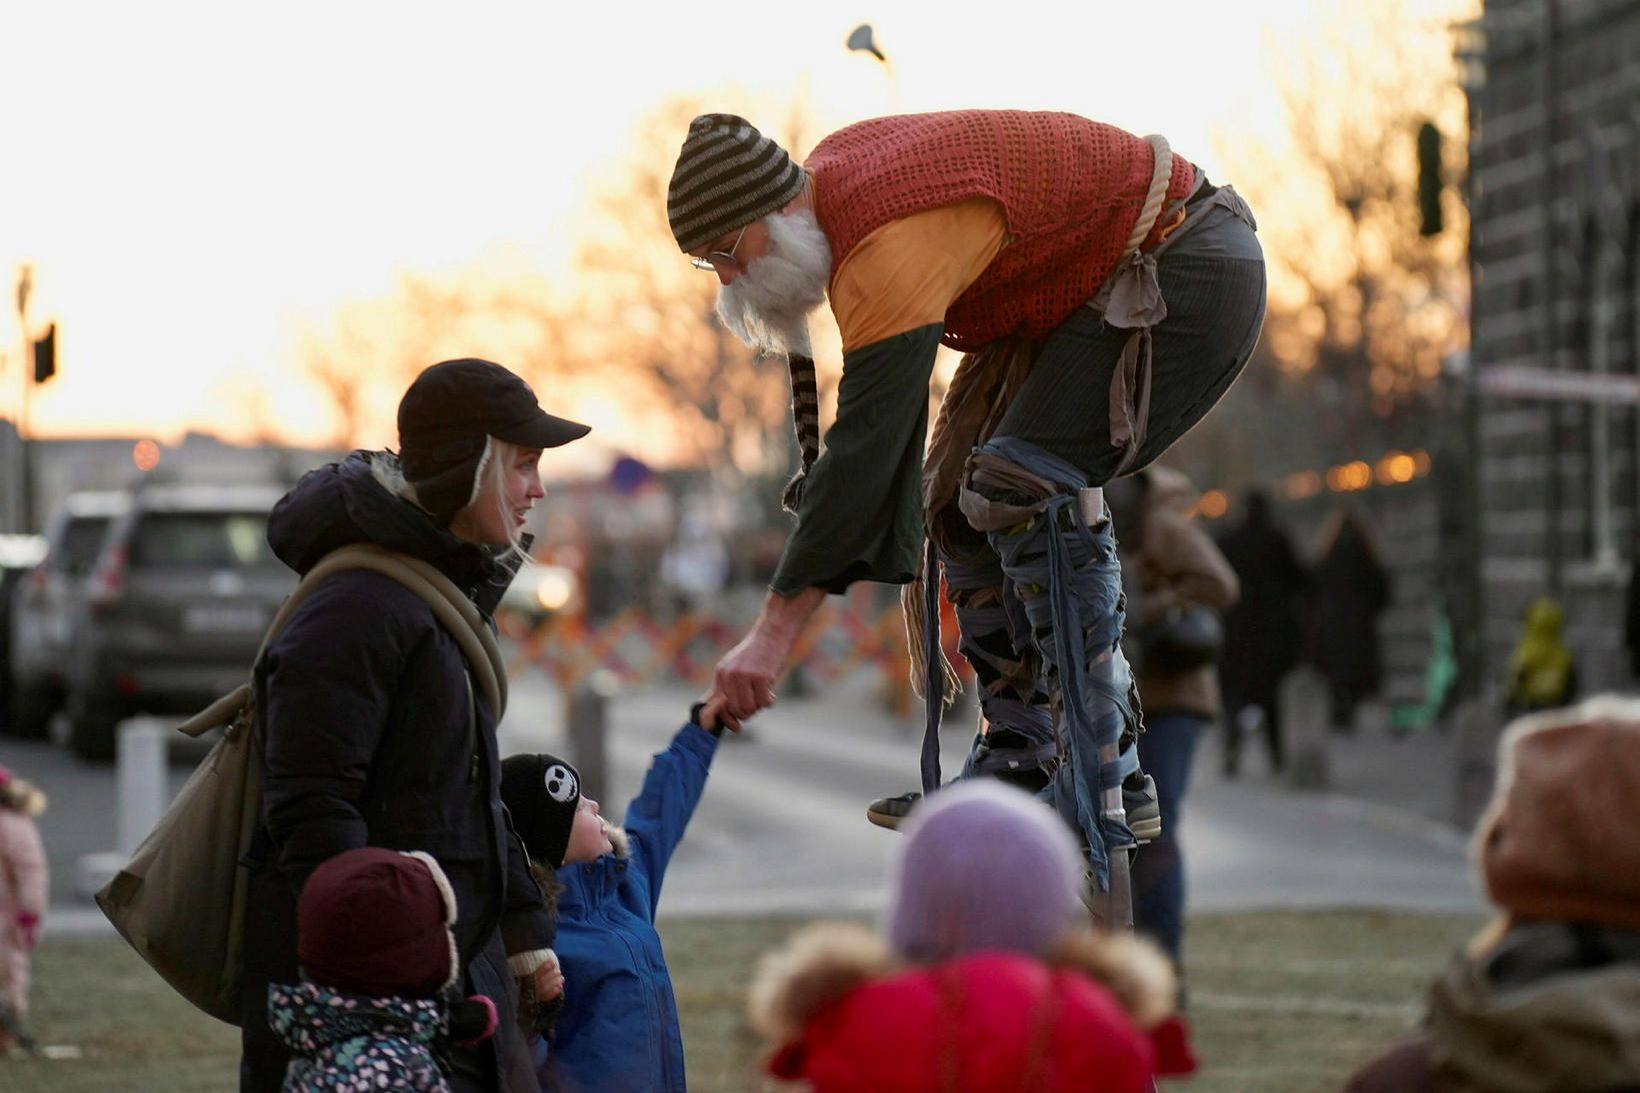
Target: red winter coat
(847, 1018)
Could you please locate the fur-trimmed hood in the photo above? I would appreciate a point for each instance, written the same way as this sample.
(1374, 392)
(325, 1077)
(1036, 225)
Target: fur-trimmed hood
(363, 499)
(828, 960)
(845, 1013)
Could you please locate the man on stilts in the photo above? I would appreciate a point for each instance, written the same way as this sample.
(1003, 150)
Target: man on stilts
(1106, 295)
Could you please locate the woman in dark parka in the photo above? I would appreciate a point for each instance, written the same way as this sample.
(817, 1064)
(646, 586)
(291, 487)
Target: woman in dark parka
(370, 730)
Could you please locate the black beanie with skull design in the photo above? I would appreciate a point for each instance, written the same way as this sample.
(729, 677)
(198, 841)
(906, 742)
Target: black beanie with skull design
(542, 793)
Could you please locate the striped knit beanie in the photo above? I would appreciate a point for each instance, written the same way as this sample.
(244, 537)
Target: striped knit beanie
(728, 175)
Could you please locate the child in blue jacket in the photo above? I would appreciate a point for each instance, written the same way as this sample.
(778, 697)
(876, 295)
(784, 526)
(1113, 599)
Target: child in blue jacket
(617, 1031)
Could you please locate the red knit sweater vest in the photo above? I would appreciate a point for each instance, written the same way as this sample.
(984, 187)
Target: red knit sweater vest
(1071, 190)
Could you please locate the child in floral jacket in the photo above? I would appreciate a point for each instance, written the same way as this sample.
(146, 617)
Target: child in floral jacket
(377, 955)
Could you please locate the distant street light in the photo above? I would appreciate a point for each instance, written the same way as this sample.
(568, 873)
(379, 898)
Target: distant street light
(17, 509)
(861, 38)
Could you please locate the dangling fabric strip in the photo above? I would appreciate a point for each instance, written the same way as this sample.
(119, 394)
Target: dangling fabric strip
(980, 391)
(806, 422)
(934, 672)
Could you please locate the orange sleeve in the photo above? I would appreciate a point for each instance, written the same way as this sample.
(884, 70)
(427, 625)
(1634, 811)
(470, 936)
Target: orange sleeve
(908, 272)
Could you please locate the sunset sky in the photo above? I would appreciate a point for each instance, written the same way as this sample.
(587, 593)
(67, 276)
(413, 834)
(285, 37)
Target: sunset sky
(194, 183)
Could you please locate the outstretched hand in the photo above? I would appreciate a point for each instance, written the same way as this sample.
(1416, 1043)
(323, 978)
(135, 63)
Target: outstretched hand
(743, 682)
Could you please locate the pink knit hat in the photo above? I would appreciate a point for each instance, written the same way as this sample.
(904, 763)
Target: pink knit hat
(985, 866)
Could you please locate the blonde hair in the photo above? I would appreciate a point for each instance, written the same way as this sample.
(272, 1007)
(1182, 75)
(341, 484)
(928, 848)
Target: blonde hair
(492, 472)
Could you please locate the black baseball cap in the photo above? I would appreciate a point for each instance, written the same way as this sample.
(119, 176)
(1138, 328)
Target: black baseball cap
(471, 397)
(446, 416)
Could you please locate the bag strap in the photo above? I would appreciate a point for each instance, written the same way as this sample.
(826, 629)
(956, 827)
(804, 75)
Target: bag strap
(458, 613)
(455, 612)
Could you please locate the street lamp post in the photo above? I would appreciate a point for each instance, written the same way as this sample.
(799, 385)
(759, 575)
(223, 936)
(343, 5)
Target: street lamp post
(17, 514)
(863, 39)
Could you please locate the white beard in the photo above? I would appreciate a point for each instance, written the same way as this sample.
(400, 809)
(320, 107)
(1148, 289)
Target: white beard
(768, 305)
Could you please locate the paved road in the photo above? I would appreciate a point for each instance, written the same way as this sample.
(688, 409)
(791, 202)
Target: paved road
(782, 827)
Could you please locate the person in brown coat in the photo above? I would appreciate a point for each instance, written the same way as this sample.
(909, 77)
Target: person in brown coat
(1547, 998)
(1179, 571)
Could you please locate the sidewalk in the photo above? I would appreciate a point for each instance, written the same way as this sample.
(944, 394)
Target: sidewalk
(781, 829)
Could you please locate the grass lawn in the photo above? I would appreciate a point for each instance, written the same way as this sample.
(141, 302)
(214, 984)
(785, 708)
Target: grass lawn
(1280, 1002)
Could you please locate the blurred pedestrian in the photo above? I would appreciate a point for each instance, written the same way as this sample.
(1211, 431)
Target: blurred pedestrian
(1263, 632)
(24, 887)
(1542, 671)
(370, 730)
(695, 567)
(981, 981)
(617, 1030)
(377, 955)
(1546, 999)
(1351, 588)
(1185, 582)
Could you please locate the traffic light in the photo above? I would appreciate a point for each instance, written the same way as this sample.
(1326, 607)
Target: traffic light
(45, 355)
(1429, 179)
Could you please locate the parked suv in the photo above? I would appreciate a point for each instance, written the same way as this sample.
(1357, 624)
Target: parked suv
(175, 609)
(45, 605)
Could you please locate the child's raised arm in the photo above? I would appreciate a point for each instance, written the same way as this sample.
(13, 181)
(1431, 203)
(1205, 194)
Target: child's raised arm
(658, 815)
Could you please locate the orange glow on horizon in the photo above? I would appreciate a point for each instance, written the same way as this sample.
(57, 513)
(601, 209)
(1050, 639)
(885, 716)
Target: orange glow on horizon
(185, 275)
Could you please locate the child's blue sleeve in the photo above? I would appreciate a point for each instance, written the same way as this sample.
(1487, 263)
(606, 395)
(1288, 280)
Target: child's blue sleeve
(657, 816)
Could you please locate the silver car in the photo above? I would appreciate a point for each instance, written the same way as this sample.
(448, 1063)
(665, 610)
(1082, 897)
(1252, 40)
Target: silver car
(175, 610)
(46, 602)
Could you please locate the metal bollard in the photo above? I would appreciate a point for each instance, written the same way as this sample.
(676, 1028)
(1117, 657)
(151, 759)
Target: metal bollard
(140, 782)
(1307, 722)
(141, 794)
(586, 715)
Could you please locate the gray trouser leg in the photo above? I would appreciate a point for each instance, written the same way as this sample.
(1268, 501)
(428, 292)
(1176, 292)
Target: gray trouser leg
(1031, 506)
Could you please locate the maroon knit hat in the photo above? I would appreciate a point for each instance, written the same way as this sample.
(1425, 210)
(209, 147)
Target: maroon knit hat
(377, 922)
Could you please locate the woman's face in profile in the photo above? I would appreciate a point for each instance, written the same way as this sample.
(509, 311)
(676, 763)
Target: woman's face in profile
(509, 491)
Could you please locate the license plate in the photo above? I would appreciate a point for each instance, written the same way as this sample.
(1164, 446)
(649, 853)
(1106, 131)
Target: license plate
(223, 619)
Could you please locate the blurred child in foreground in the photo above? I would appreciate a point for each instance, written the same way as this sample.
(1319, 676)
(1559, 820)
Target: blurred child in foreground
(1547, 998)
(974, 987)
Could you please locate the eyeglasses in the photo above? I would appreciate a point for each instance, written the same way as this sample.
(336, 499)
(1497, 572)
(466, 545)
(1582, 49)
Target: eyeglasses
(717, 259)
